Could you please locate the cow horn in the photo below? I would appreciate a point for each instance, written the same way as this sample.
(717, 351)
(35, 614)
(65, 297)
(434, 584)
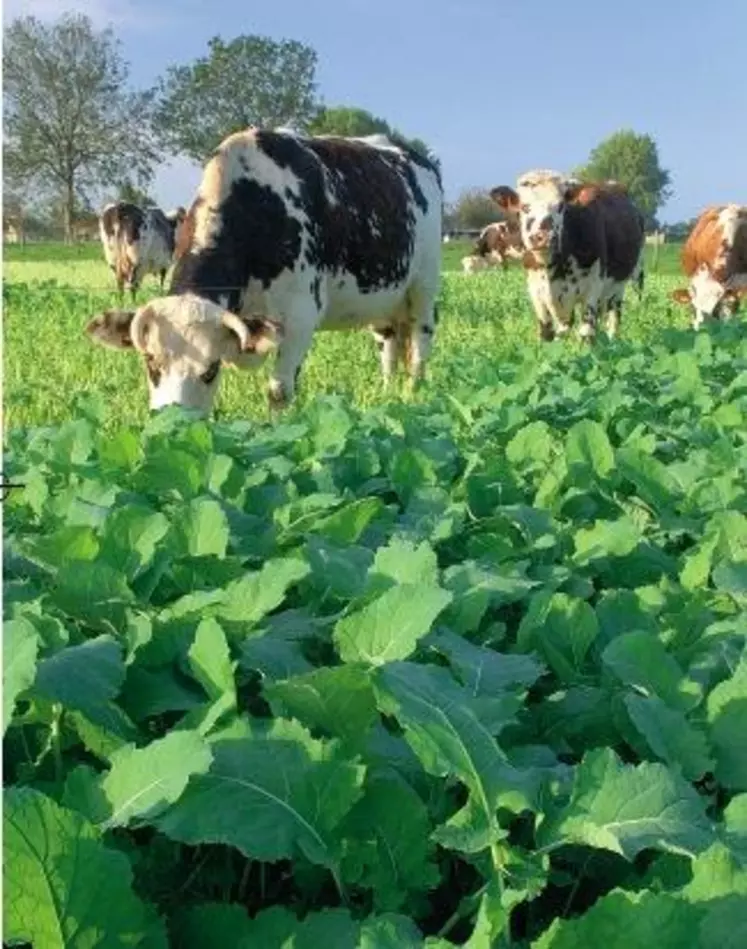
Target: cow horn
(239, 327)
(139, 328)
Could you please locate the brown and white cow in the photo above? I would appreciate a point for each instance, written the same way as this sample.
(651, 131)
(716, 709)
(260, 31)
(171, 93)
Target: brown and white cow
(138, 241)
(583, 242)
(500, 242)
(288, 235)
(714, 259)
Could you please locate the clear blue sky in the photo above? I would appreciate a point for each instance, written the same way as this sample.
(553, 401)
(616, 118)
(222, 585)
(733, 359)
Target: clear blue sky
(495, 88)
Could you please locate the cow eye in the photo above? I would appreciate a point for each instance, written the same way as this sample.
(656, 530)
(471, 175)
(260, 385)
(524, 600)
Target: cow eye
(211, 372)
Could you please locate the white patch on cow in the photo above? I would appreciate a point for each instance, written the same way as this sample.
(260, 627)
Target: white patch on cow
(705, 293)
(541, 195)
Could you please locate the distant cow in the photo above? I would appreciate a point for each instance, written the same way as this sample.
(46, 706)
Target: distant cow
(474, 263)
(500, 241)
(714, 259)
(138, 241)
(289, 235)
(583, 242)
(656, 238)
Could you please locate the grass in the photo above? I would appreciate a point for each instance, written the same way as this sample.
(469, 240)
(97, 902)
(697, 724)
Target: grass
(51, 291)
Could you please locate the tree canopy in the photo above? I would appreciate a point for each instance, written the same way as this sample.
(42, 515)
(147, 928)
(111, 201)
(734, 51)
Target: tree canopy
(71, 124)
(633, 160)
(473, 209)
(251, 80)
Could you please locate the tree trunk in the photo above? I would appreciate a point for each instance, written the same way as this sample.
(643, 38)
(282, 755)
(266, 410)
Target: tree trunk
(69, 209)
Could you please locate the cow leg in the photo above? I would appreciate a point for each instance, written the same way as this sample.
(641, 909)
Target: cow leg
(388, 346)
(614, 316)
(163, 279)
(299, 327)
(422, 315)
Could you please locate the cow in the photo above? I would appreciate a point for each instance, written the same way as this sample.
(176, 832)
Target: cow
(138, 241)
(500, 241)
(714, 259)
(289, 234)
(473, 263)
(584, 243)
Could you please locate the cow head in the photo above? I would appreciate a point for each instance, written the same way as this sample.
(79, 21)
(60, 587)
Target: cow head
(709, 298)
(537, 205)
(184, 340)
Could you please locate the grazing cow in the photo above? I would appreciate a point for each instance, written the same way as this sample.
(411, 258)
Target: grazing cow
(288, 235)
(138, 241)
(583, 242)
(500, 241)
(473, 263)
(714, 259)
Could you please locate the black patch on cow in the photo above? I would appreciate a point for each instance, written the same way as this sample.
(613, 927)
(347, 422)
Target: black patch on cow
(316, 290)
(387, 332)
(154, 373)
(211, 372)
(428, 330)
(379, 344)
(257, 240)
(436, 315)
(123, 217)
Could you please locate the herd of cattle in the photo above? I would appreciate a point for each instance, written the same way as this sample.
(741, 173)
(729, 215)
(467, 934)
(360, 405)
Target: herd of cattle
(290, 234)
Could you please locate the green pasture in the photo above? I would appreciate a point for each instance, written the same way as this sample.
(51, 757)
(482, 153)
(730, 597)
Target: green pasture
(50, 291)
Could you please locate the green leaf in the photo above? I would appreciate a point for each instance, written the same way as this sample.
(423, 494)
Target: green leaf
(95, 593)
(255, 595)
(85, 678)
(63, 889)
(130, 537)
(386, 844)
(627, 809)
(337, 699)
(717, 872)
(142, 782)
(727, 716)
(389, 932)
(402, 561)
(626, 921)
(483, 670)
(531, 445)
(389, 627)
(606, 539)
(588, 453)
(449, 739)
(20, 646)
(670, 736)
(735, 820)
(348, 523)
(203, 528)
(653, 482)
(561, 629)
(275, 776)
(639, 659)
(210, 662)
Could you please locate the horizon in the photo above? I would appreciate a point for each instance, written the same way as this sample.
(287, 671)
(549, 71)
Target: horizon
(475, 60)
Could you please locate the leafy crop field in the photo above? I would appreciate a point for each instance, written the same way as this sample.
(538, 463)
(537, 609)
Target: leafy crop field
(462, 669)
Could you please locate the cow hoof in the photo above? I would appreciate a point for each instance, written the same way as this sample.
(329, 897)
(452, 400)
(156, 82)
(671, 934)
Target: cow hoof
(562, 329)
(277, 397)
(586, 333)
(546, 333)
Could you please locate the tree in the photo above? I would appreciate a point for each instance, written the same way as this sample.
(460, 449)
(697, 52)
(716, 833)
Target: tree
(633, 160)
(348, 120)
(70, 122)
(253, 80)
(473, 209)
(130, 193)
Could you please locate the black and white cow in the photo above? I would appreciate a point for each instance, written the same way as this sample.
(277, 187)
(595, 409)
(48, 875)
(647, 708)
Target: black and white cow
(289, 235)
(138, 241)
(583, 242)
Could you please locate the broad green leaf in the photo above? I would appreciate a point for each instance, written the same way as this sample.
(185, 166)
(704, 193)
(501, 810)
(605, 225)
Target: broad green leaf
(561, 629)
(606, 539)
(338, 699)
(130, 537)
(653, 482)
(85, 678)
(210, 662)
(20, 645)
(275, 776)
(715, 873)
(727, 717)
(735, 820)
(670, 736)
(203, 528)
(389, 932)
(142, 782)
(730, 576)
(588, 452)
(449, 739)
(348, 523)
(725, 923)
(63, 546)
(639, 659)
(389, 627)
(627, 809)
(483, 670)
(275, 656)
(531, 445)
(411, 469)
(626, 921)
(387, 849)
(63, 889)
(258, 593)
(402, 561)
(336, 570)
(93, 592)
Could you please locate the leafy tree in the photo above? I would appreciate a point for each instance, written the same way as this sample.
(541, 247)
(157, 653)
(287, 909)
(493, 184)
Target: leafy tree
(70, 122)
(129, 192)
(633, 160)
(473, 209)
(252, 80)
(348, 120)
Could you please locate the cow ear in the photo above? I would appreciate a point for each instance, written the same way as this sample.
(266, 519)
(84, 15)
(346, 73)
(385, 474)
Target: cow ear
(254, 334)
(112, 328)
(572, 190)
(506, 199)
(681, 295)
